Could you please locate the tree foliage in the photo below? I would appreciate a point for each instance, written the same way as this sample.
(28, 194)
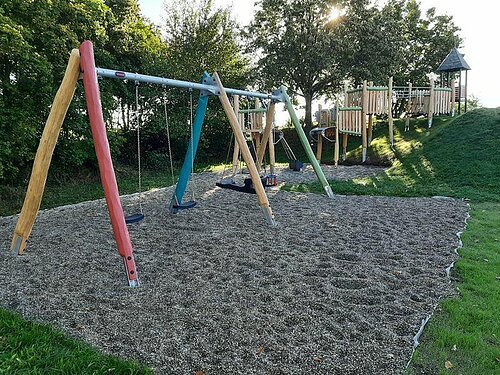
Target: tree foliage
(298, 46)
(291, 42)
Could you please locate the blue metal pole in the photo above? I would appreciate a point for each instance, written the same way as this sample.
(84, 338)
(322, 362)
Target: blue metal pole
(180, 188)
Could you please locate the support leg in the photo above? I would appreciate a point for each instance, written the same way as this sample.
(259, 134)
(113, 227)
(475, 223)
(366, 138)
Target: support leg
(389, 113)
(364, 136)
(105, 163)
(370, 129)
(245, 151)
(306, 145)
(336, 146)
(267, 138)
(180, 188)
(345, 140)
(236, 149)
(44, 153)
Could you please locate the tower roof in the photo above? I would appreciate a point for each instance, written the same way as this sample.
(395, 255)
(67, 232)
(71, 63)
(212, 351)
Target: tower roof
(453, 62)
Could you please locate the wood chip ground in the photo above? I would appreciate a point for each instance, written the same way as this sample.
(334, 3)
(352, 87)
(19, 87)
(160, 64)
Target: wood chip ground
(340, 286)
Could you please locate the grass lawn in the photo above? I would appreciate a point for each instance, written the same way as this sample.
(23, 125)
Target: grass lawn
(30, 348)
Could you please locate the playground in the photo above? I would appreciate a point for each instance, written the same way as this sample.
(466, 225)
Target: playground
(171, 202)
(351, 277)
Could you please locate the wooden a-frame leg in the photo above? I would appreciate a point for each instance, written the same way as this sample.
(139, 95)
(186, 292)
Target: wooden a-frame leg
(245, 151)
(44, 154)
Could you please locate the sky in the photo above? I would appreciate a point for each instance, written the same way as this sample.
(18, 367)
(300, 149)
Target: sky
(477, 20)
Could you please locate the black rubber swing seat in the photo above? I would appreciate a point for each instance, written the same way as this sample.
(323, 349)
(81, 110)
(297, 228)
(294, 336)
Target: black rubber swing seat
(296, 165)
(247, 187)
(184, 205)
(231, 185)
(135, 218)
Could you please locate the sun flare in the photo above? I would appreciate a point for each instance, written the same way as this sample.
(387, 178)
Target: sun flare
(334, 14)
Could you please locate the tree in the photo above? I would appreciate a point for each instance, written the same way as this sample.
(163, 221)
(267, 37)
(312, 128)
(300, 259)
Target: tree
(298, 46)
(35, 40)
(201, 37)
(426, 42)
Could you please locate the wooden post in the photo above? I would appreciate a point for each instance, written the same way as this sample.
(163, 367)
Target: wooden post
(272, 155)
(44, 153)
(245, 151)
(452, 109)
(267, 138)
(408, 108)
(236, 149)
(431, 104)
(460, 93)
(319, 148)
(389, 112)
(370, 129)
(465, 93)
(345, 139)
(363, 120)
(336, 149)
(258, 126)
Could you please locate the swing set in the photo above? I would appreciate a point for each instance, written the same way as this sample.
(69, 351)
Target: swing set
(82, 63)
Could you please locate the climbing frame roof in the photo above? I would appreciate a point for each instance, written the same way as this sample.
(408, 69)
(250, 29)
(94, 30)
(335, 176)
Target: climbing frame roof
(453, 62)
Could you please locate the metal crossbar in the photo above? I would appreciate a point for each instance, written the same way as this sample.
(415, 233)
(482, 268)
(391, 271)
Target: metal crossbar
(209, 86)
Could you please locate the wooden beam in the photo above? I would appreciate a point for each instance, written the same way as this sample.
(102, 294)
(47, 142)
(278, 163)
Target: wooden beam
(236, 149)
(364, 107)
(431, 104)
(370, 130)
(44, 153)
(105, 162)
(336, 146)
(267, 139)
(389, 112)
(245, 151)
(453, 98)
(319, 148)
(408, 108)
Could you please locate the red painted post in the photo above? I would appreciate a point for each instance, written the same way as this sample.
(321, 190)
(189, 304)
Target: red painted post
(101, 145)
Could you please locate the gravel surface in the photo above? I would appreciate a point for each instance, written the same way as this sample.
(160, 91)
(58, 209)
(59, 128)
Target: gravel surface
(339, 287)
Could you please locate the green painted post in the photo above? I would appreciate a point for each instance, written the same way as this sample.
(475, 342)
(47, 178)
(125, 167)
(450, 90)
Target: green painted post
(305, 144)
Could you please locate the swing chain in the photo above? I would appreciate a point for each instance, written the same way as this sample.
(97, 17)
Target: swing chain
(138, 122)
(192, 143)
(168, 135)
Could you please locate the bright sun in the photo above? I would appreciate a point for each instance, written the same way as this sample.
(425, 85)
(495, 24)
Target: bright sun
(334, 14)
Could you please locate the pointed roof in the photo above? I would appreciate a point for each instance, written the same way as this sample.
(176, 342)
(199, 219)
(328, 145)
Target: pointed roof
(453, 62)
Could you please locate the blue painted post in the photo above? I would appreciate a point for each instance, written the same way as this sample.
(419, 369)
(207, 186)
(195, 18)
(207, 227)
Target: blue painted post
(180, 188)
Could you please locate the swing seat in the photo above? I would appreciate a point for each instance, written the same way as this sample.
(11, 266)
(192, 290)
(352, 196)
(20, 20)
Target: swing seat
(231, 185)
(135, 218)
(184, 205)
(296, 165)
(267, 181)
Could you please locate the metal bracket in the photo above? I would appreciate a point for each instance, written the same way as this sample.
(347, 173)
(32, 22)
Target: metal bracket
(208, 80)
(278, 93)
(17, 245)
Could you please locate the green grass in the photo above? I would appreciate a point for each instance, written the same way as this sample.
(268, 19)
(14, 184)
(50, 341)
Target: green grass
(81, 188)
(457, 158)
(30, 348)
(466, 330)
